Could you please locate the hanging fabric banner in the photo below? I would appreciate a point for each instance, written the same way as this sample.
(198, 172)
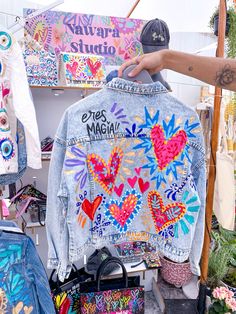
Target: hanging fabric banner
(116, 39)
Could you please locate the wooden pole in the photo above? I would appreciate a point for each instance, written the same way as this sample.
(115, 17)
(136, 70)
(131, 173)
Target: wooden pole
(214, 144)
(133, 8)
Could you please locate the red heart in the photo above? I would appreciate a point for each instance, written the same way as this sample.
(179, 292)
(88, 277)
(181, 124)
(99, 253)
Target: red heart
(132, 181)
(164, 216)
(143, 185)
(167, 150)
(138, 170)
(93, 66)
(90, 208)
(72, 69)
(119, 189)
(104, 174)
(5, 91)
(127, 56)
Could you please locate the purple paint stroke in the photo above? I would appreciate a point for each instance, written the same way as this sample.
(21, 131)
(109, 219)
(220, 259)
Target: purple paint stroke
(78, 152)
(119, 111)
(83, 180)
(74, 162)
(78, 175)
(122, 116)
(113, 107)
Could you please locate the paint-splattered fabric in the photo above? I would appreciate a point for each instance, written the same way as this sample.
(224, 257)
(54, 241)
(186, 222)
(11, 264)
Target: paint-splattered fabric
(24, 287)
(128, 164)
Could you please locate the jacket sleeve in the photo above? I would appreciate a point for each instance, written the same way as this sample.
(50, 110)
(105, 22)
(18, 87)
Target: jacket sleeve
(199, 175)
(24, 107)
(57, 203)
(38, 277)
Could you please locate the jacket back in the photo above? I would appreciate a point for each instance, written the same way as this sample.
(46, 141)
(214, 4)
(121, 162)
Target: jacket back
(128, 164)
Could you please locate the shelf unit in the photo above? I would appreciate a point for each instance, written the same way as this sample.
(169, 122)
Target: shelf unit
(66, 87)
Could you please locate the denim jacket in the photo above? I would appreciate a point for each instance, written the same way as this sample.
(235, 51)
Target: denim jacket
(128, 164)
(24, 286)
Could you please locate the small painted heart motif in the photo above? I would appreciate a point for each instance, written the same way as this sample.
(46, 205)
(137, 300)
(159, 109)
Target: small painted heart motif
(90, 208)
(119, 189)
(105, 174)
(132, 181)
(121, 214)
(5, 91)
(126, 56)
(121, 51)
(164, 216)
(94, 66)
(138, 170)
(134, 294)
(72, 68)
(167, 150)
(144, 186)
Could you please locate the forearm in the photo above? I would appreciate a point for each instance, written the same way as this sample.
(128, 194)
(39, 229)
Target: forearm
(214, 71)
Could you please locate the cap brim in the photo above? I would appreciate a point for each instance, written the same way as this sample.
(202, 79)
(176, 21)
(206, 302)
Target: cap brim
(149, 49)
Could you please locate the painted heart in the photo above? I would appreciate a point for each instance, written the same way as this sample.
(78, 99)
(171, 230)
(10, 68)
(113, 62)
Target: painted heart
(72, 68)
(105, 174)
(132, 181)
(93, 66)
(121, 214)
(119, 189)
(90, 208)
(144, 186)
(5, 91)
(126, 56)
(164, 216)
(138, 170)
(121, 51)
(167, 150)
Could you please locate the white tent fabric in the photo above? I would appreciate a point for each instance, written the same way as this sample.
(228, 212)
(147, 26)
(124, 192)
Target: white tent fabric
(181, 15)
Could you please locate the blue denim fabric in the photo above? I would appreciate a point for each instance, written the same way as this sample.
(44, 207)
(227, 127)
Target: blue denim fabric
(24, 286)
(6, 179)
(128, 163)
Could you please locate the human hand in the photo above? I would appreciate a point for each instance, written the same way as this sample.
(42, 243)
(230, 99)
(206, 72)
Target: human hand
(152, 62)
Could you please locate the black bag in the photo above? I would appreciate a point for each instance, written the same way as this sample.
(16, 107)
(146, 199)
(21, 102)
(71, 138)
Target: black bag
(112, 295)
(95, 260)
(66, 295)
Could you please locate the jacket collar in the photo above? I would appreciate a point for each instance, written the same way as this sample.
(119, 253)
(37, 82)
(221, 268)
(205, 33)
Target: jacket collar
(120, 84)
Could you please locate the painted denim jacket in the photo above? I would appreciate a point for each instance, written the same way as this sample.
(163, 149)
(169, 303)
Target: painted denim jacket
(128, 164)
(24, 287)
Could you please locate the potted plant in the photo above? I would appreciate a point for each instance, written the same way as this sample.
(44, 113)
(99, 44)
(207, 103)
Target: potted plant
(230, 280)
(222, 255)
(230, 29)
(222, 301)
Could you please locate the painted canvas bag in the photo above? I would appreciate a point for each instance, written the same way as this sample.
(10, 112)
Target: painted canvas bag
(115, 296)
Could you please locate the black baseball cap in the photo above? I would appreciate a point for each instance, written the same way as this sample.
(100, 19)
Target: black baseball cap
(155, 36)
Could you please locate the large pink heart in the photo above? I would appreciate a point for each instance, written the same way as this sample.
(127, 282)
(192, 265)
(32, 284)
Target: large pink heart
(162, 215)
(167, 150)
(122, 213)
(105, 174)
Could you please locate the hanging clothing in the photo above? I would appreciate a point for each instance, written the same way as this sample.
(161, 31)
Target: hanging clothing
(24, 286)
(128, 164)
(15, 103)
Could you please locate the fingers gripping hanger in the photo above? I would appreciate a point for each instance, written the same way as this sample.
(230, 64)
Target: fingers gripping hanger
(144, 77)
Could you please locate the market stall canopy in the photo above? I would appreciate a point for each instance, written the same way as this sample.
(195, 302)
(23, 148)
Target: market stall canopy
(181, 15)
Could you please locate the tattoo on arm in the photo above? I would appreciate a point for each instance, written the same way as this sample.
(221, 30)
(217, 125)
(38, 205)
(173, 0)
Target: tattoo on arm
(226, 76)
